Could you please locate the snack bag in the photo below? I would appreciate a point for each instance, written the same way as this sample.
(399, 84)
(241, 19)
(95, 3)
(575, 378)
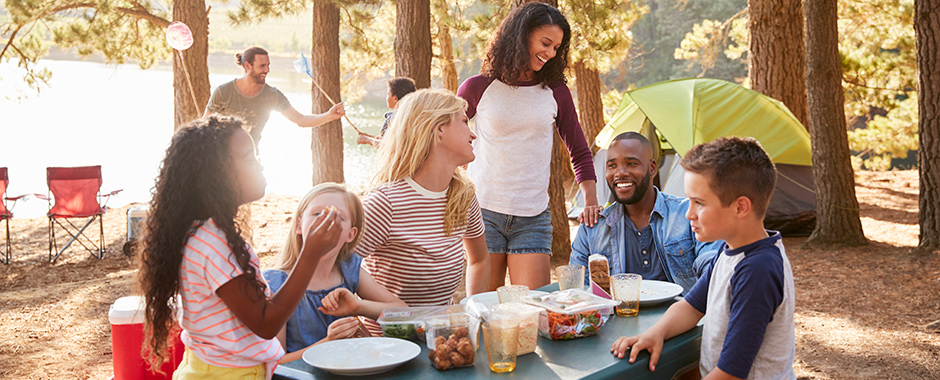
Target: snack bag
(600, 271)
(571, 313)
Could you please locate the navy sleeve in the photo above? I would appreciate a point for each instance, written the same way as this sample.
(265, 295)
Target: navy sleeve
(472, 90)
(756, 292)
(569, 129)
(698, 295)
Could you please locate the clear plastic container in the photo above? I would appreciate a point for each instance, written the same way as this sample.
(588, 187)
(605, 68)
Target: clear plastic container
(527, 317)
(406, 322)
(452, 338)
(571, 313)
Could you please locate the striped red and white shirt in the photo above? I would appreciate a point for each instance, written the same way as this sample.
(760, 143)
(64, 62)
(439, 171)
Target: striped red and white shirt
(405, 247)
(210, 330)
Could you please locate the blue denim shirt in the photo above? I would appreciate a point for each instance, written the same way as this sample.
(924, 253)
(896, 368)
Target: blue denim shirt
(673, 241)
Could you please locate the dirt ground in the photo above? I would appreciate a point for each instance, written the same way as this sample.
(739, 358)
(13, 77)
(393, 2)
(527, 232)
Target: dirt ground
(867, 312)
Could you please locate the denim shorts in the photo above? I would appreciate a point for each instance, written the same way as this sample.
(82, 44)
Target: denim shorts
(518, 234)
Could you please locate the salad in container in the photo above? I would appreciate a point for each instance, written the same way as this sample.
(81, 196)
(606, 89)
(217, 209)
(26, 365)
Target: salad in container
(570, 314)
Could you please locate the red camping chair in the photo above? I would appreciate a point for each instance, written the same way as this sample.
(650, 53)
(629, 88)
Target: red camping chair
(6, 212)
(76, 193)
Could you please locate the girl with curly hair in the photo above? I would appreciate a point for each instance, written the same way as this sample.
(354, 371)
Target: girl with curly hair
(517, 102)
(331, 292)
(193, 249)
(422, 219)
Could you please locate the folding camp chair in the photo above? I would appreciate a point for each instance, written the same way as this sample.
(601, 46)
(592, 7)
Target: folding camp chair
(6, 212)
(76, 194)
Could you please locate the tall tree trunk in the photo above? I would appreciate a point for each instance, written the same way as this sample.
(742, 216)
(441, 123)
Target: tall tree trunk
(192, 13)
(590, 105)
(413, 41)
(776, 58)
(561, 164)
(448, 69)
(927, 31)
(837, 220)
(326, 141)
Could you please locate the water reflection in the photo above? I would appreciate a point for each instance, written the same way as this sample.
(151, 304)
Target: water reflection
(121, 117)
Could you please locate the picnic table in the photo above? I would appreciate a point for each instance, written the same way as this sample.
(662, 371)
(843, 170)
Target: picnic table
(587, 357)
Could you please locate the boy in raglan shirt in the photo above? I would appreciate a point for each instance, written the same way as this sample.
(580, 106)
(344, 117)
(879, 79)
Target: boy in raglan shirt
(747, 294)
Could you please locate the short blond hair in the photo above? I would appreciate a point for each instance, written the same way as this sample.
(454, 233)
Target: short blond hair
(290, 250)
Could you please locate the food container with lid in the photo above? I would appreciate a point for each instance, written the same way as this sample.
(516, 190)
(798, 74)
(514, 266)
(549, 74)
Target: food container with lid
(527, 317)
(452, 338)
(406, 322)
(571, 313)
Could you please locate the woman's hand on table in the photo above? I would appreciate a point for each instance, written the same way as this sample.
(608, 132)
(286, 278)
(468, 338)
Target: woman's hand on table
(638, 343)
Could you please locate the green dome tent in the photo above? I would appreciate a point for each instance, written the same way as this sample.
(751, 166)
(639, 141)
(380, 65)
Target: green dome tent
(686, 112)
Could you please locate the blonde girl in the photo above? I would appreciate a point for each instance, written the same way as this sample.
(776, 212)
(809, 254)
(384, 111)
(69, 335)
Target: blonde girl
(193, 249)
(330, 307)
(423, 222)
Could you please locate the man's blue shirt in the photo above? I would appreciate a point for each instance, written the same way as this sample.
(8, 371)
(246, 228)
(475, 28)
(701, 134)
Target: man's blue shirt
(674, 243)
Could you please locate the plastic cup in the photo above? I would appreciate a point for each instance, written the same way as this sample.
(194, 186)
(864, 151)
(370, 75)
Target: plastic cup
(511, 293)
(502, 341)
(626, 289)
(570, 277)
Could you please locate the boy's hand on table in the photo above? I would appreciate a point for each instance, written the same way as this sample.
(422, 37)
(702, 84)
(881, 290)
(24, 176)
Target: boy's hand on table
(635, 344)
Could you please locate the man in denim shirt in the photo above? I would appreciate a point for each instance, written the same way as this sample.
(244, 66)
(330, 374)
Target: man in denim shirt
(645, 231)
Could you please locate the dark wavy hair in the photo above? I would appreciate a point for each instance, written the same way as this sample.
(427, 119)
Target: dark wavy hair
(507, 54)
(195, 184)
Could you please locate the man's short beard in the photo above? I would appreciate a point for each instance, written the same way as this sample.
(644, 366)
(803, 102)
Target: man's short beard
(638, 193)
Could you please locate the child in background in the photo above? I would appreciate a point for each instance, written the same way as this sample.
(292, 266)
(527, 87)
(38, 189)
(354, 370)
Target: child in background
(331, 292)
(398, 87)
(193, 248)
(747, 295)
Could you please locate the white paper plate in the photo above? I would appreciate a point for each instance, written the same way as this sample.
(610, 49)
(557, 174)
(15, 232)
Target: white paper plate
(653, 292)
(361, 356)
(491, 299)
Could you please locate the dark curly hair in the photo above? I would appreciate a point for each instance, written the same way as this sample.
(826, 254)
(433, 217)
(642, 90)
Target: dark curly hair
(195, 184)
(507, 54)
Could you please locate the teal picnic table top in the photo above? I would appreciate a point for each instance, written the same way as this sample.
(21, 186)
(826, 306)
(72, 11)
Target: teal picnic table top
(587, 357)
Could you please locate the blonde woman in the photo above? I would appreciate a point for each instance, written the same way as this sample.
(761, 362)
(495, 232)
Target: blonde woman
(422, 217)
(327, 311)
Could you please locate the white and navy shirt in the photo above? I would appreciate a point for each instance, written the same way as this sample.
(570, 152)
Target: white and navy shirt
(747, 296)
(515, 127)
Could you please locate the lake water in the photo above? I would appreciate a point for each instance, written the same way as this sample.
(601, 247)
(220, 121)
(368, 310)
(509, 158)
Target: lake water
(121, 117)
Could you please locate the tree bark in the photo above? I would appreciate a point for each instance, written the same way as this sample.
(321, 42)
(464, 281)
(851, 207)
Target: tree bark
(413, 41)
(446, 59)
(837, 213)
(927, 32)
(776, 58)
(561, 164)
(326, 141)
(192, 13)
(590, 105)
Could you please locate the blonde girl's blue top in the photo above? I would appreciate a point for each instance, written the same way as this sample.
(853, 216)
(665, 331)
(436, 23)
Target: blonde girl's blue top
(307, 325)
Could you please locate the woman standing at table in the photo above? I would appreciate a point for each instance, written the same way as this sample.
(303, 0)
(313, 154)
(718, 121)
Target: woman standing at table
(423, 219)
(517, 101)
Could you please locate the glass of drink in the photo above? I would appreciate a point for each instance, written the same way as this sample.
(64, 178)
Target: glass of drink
(511, 293)
(570, 277)
(626, 289)
(501, 337)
